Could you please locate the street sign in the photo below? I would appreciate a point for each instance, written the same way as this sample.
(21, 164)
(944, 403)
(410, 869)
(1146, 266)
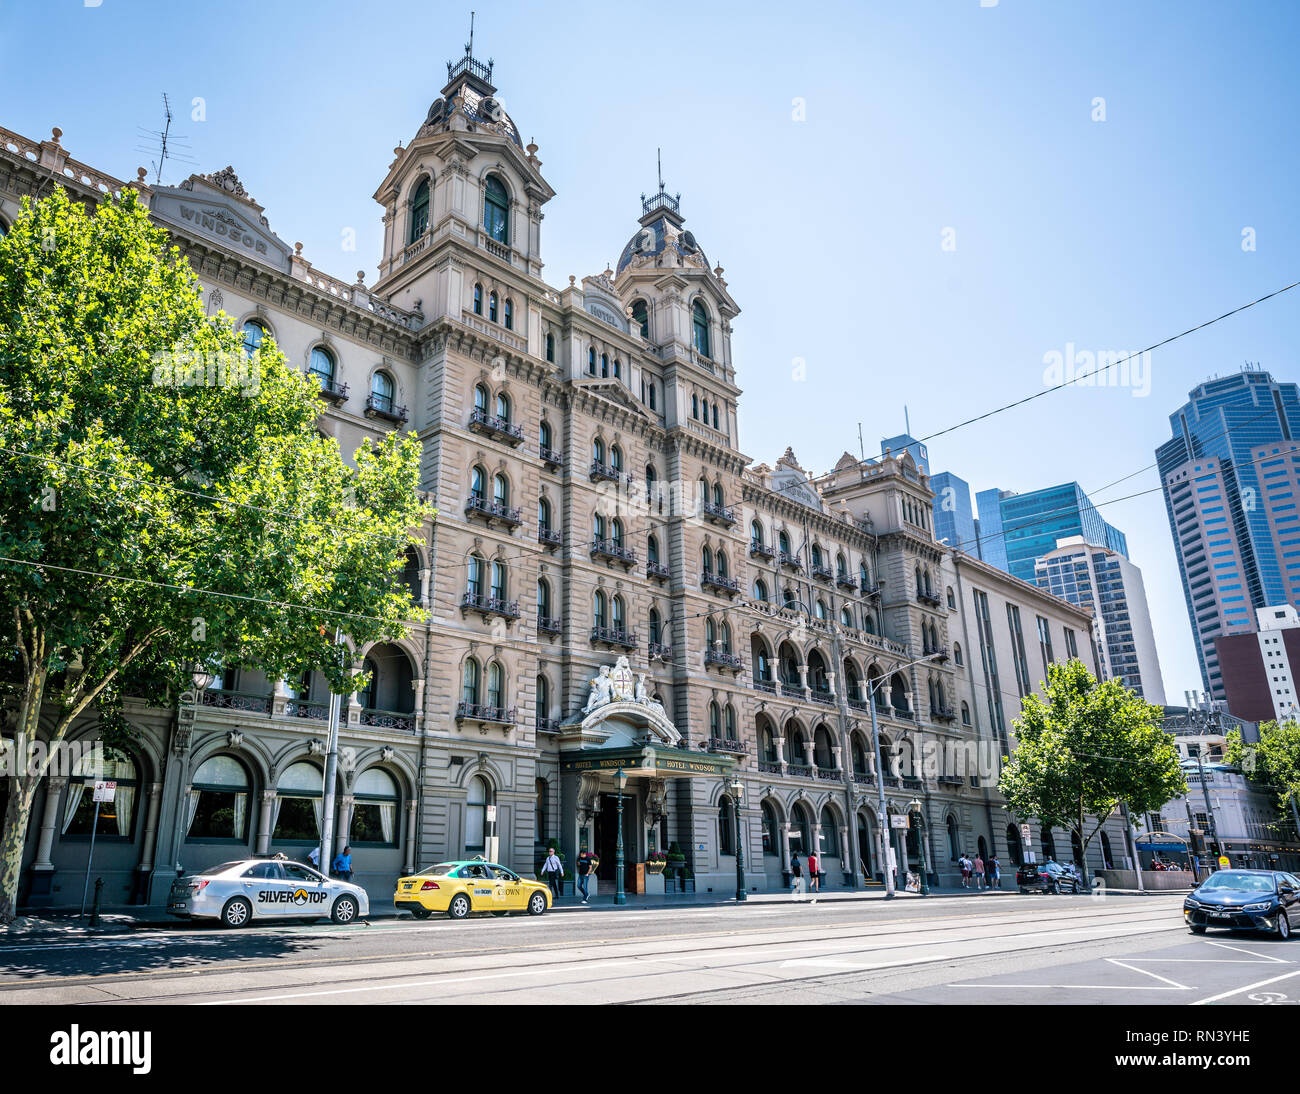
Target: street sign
(898, 820)
(1223, 862)
(1024, 836)
(491, 814)
(105, 792)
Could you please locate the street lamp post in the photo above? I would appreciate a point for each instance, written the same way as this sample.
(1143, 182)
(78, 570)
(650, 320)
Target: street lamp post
(620, 897)
(737, 793)
(915, 803)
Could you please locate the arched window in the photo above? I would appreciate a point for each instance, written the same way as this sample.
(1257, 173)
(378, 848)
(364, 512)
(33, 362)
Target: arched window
(652, 550)
(500, 490)
(760, 590)
(700, 319)
(956, 653)
(655, 628)
(710, 633)
(543, 515)
(954, 839)
(705, 415)
(598, 451)
(800, 829)
(550, 347)
(296, 811)
(476, 803)
(1014, 851)
(478, 299)
(419, 211)
(616, 457)
(755, 534)
(771, 828)
(498, 580)
(846, 616)
(322, 367)
(715, 415)
(477, 483)
(726, 827)
(253, 332)
(783, 540)
(495, 685)
(652, 395)
(965, 714)
(618, 369)
(616, 531)
(830, 834)
(729, 722)
(641, 317)
(474, 577)
(492, 306)
(821, 609)
(598, 526)
(591, 362)
(598, 603)
(695, 406)
(543, 598)
(374, 810)
(367, 696)
(381, 392)
(617, 615)
(480, 398)
(510, 314)
(544, 435)
(604, 365)
(503, 406)
(725, 631)
(496, 210)
(722, 563)
(952, 599)
(715, 720)
(706, 559)
(1048, 843)
(651, 482)
(218, 802)
(864, 578)
(542, 702)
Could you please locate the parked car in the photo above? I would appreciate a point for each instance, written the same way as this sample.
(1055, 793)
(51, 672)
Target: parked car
(238, 892)
(469, 885)
(1243, 900)
(1048, 877)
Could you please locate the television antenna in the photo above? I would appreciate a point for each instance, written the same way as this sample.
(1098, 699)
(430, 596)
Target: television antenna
(164, 144)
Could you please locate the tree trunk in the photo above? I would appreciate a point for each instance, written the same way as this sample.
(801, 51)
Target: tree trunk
(21, 794)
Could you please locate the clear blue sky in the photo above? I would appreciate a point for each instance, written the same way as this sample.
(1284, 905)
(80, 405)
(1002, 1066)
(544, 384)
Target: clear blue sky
(919, 117)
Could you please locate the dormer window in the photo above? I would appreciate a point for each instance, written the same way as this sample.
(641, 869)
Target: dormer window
(701, 323)
(496, 210)
(641, 317)
(419, 211)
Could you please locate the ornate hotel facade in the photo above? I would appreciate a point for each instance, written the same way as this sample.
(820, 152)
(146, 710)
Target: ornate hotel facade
(581, 445)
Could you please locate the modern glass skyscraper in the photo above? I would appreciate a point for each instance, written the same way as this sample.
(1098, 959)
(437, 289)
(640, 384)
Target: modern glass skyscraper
(954, 517)
(1231, 478)
(1018, 529)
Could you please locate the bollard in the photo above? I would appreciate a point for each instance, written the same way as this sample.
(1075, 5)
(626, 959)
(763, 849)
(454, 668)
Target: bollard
(94, 910)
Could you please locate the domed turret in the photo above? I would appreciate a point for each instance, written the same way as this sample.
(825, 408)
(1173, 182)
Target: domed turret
(469, 92)
(662, 234)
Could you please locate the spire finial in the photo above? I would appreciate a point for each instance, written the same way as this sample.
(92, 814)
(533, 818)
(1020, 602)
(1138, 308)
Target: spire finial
(469, 46)
(659, 159)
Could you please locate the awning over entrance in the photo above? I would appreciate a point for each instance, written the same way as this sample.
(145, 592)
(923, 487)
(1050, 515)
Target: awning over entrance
(648, 761)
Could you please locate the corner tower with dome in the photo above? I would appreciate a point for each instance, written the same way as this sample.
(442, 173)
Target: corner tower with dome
(597, 521)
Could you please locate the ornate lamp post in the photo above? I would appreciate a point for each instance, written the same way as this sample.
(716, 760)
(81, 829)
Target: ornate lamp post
(620, 897)
(920, 842)
(737, 794)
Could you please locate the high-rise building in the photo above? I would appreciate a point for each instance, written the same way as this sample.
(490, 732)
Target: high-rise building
(1260, 670)
(1111, 586)
(1018, 529)
(954, 516)
(1231, 483)
(905, 442)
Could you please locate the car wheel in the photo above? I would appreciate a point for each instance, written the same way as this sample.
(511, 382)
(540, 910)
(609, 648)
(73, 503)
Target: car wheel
(537, 904)
(459, 906)
(421, 913)
(344, 910)
(1196, 928)
(1055, 888)
(1283, 926)
(236, 913)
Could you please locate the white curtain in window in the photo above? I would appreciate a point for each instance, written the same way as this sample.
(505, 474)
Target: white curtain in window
(387, 815)
(75, 791)
(275, 812)
(191, 807)
(241, 812)
(124, 799)
(318, 807)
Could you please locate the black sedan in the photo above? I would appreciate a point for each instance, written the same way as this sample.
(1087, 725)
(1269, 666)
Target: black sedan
(1244, 900)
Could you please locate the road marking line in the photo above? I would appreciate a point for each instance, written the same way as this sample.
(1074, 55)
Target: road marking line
(1146, 972)
(1089, 987)
(1240, 949)
(831, 963)
(1248, 987)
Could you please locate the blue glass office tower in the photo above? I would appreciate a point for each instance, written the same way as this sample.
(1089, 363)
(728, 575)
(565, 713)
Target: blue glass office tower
(954, 517)
(1231, 479)
(1018, 529)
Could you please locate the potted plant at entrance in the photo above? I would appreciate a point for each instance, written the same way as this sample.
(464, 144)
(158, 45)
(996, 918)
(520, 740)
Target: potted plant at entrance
(655, 862)
(688, 880)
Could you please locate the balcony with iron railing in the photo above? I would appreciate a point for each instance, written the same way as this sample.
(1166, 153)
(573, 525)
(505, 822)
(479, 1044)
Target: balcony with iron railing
(549, 537)
(656, 571)
(791, 691)
(614, 636)
(822, 572)
(719, 514)
(489, 509)
(822, 695)
(869, 588)
(332, 391)
(769, 767)
(305, 708)
(724, 659)
(937, 654)
(728, 745)
(728, 586)
(759, 549)
(549, 624)
(659, 651)
(378, 406)
(551, 457)
(792, 562)
(864, 778)
(943, 714)
(614, 550)
(903, 713)
(501, 429)
(800, 771)
(236, 700)
(929, 600)
(489, 605)
(604, 472)
(548, 725)
(484, 714)
(859, 704)
(830, 774)
(403, 721)
(767, 686)
(844, 581)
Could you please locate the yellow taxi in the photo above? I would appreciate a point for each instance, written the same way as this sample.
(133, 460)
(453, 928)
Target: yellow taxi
(469, 885)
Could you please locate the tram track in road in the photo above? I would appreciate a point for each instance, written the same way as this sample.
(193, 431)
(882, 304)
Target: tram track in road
(879, 943)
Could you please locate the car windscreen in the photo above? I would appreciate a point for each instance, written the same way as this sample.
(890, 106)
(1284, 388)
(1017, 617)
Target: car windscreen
(441, 870)
(1245, 883)
(217, 869)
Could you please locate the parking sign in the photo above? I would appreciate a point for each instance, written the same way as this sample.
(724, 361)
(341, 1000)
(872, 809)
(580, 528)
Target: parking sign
(105, 792)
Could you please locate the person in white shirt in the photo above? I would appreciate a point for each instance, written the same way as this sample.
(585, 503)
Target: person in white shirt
(553, 872)
(313, 856)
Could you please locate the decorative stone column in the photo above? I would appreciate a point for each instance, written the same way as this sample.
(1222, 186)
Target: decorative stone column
(785, 847)
(264, 822)
(835, 756)
(778, 739)
(342, 822)
(150, 828)
(42, 870)
(411, 835)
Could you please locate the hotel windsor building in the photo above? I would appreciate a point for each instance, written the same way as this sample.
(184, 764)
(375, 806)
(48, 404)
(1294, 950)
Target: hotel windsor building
(621, 605)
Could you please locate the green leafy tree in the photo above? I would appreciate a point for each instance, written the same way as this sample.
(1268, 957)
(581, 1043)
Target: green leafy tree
(1084, 748)
(1273, 762)
(165, 498)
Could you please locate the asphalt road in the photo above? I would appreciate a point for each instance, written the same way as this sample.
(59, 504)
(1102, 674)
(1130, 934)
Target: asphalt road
(1026, 950)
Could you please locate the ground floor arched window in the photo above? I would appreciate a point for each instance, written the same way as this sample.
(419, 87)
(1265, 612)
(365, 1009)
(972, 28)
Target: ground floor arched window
(864, 845)
(217, 804)
(374, 813)
(829, 835)
(771, 833)
(954, 839)
(1076, 848)
(726, 827)
(116, 817)
(476, 803)
(983, 848)
(1049, 844)
(1109, 861)
(1015, 852)
(298, 804)
(800, 830)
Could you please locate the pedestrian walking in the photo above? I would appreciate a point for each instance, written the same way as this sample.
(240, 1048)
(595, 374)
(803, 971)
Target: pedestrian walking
(587, 863)
(343, 864)
(553, 871)
(964, 863)
(994, 869)
(796, 876)
(313, 856)
(978, 871)
(814, 879)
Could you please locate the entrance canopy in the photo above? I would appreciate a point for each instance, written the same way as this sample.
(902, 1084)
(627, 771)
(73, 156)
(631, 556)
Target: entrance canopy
(647, 761)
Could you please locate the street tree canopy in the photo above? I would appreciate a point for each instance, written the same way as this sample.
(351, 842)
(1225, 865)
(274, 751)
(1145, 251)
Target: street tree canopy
(1274, 761)
(1084, 748)
(165, 496)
